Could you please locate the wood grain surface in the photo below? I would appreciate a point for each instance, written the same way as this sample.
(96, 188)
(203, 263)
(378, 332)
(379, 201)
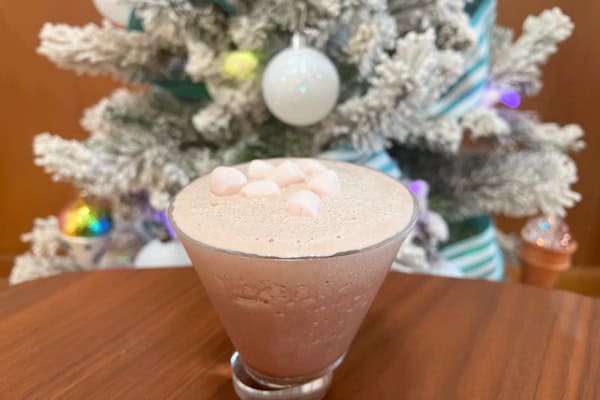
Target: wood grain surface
(154, 335)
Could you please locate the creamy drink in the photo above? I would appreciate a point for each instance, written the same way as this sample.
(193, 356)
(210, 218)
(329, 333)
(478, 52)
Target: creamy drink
(292, 253)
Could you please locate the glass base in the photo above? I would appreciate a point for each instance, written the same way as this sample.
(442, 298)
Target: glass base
(250, 385)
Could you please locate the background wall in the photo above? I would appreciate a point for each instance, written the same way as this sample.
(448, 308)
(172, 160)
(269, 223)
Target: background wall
(35, 97)
(571, 84)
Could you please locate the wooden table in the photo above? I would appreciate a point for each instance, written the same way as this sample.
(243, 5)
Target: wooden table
(154, 335)
(583, 280)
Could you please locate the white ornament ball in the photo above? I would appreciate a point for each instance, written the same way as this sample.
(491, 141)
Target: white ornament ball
(157, 254)
(300, 86)
(118, 11)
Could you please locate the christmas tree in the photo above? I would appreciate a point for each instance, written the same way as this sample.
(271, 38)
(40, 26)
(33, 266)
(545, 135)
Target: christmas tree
(425, 90)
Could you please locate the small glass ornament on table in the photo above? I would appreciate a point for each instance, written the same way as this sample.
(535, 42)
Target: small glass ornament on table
(547, 250)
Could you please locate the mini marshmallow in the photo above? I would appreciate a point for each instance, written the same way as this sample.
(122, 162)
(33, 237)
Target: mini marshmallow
(304, 203)
(226, 181)
(259, 169)
(286, 174)
(325, 183)
(261, 188)
(310, 166)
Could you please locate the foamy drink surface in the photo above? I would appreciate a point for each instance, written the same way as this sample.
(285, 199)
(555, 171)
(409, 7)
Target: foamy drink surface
(292, 208)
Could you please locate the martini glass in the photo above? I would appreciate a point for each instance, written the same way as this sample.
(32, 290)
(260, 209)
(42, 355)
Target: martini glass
(291, 320)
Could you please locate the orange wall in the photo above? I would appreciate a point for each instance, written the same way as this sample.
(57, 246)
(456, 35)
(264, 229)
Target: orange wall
(35, 96)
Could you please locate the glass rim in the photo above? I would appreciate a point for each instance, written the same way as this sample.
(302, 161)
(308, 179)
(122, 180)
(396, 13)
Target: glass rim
(402, 233)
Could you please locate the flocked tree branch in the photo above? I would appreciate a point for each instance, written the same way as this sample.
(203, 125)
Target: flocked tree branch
(123, 164)
(402, 87)
(514, 184)
(485, 123)
(46, 256)
(446, 17)
(517, 65)
(395, 59)
(98, 50)
(527, 131)
(518, 184)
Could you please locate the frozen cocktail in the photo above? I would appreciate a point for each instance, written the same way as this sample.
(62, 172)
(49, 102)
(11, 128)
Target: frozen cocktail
(291, 253)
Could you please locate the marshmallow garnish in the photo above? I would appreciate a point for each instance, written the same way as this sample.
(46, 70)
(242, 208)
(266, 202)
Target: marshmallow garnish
(267, 180)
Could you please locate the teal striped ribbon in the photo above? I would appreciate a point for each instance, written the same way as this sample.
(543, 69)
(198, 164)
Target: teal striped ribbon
(467, 92)
(463, 96)
(478, 256)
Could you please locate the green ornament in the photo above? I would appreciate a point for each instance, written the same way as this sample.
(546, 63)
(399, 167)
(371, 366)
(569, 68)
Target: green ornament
(240, 65)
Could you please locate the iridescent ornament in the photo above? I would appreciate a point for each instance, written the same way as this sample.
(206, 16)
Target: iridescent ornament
(85, 218)
(300, 85)
(551, 232)
(85, 225)
(240, 65)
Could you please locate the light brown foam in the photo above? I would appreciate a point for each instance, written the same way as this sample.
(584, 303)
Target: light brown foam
(370, 208)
